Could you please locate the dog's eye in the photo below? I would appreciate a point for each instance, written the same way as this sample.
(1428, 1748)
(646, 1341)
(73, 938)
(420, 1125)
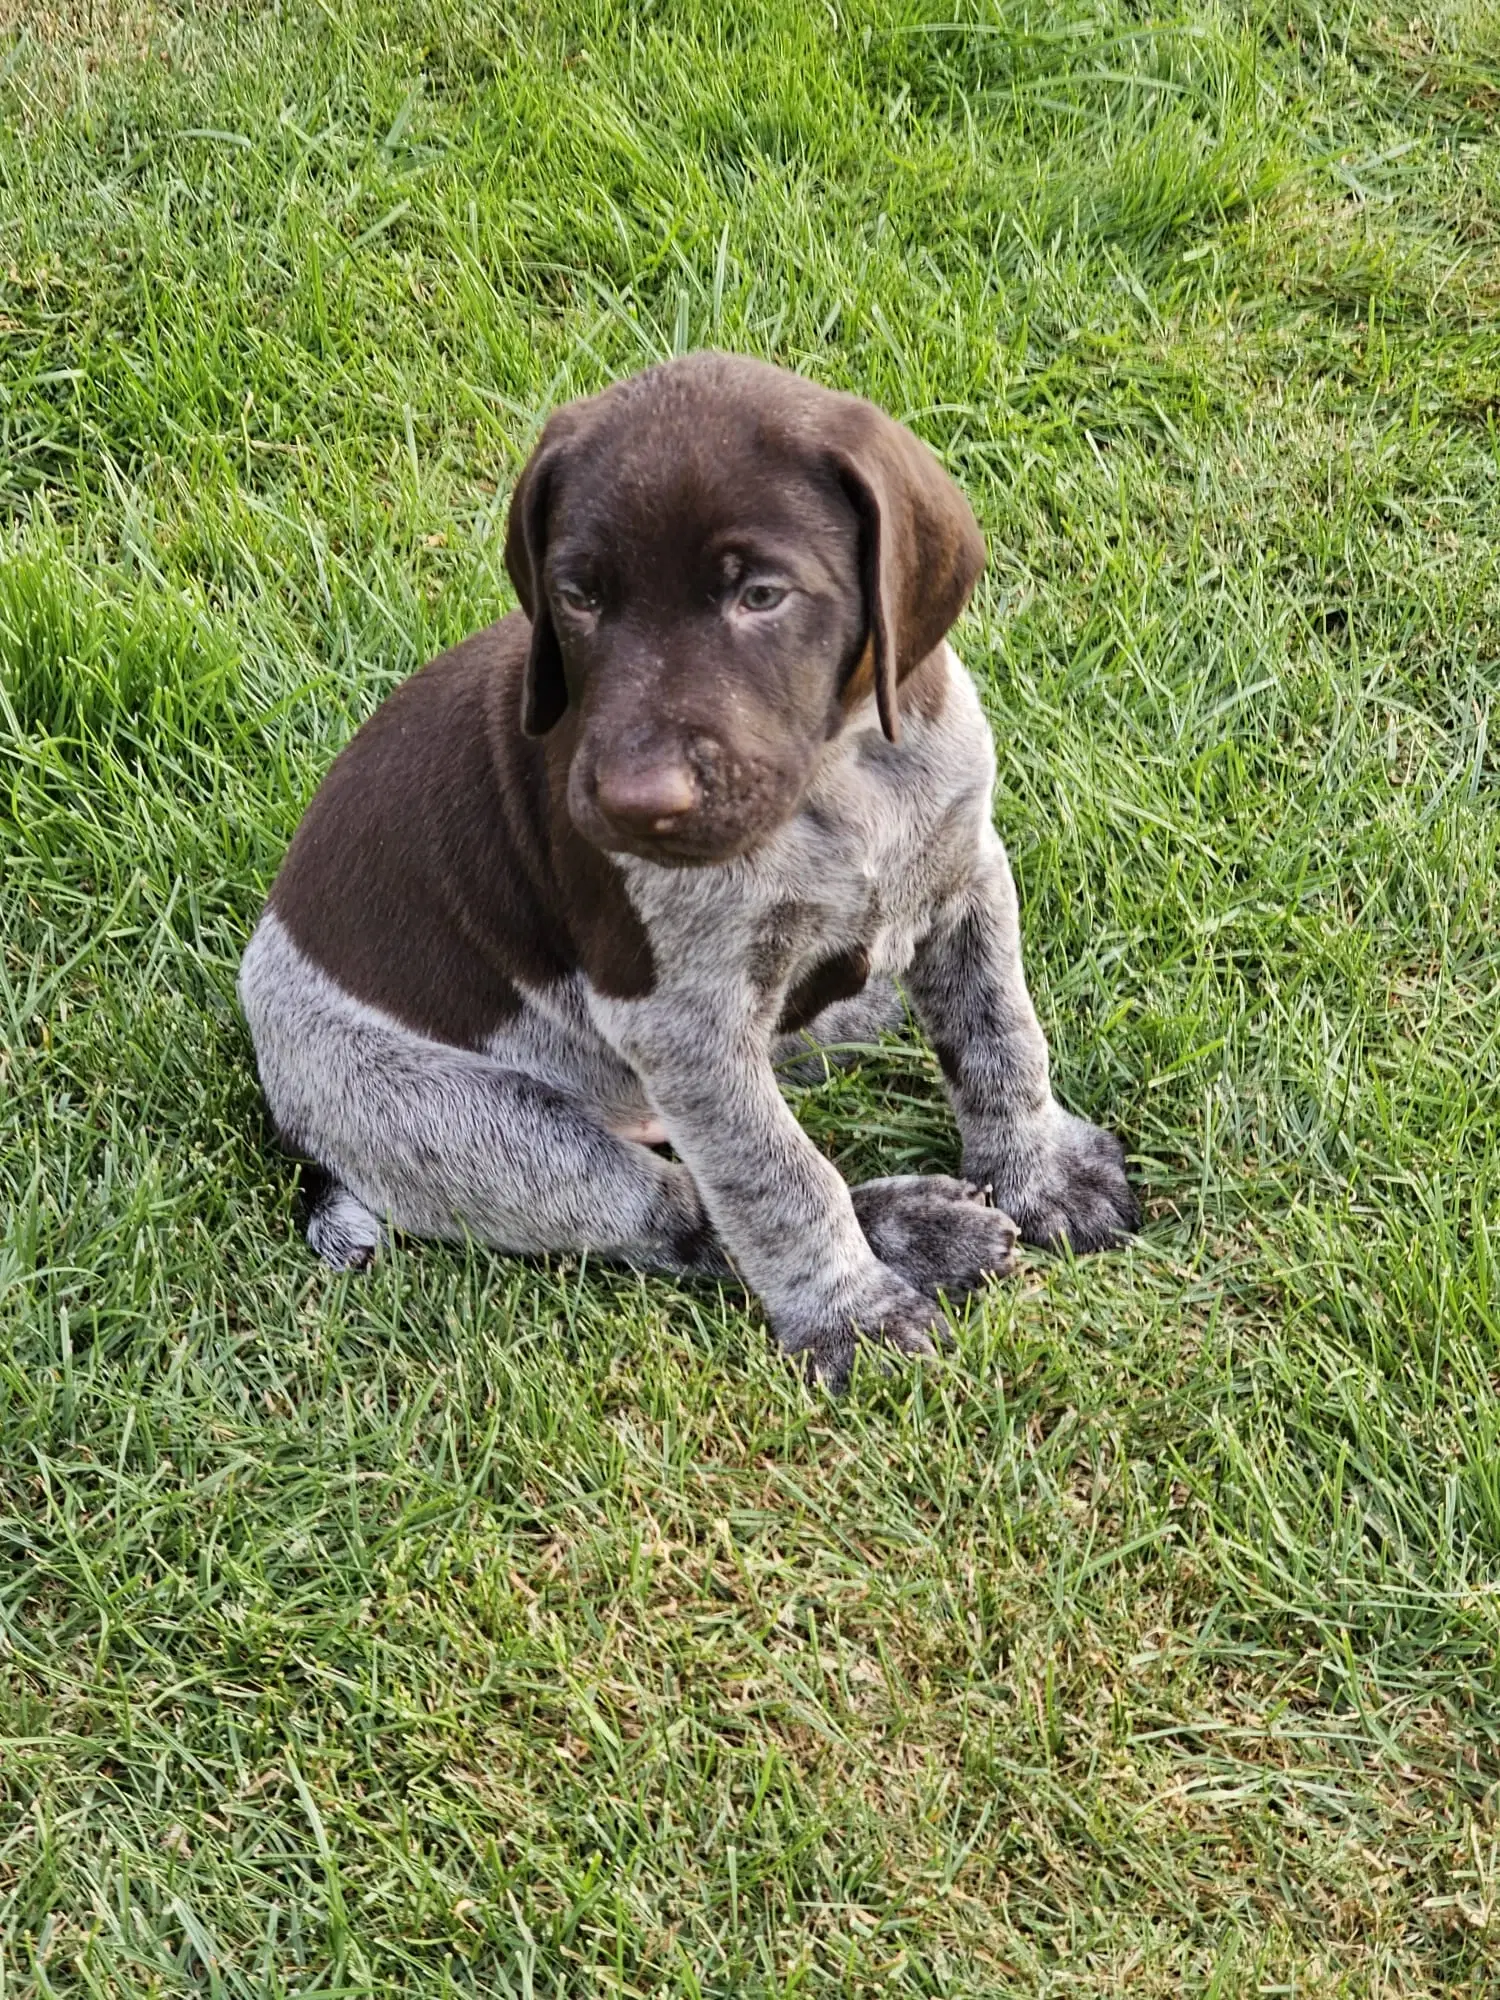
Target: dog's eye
(761, 596)
(573, 597)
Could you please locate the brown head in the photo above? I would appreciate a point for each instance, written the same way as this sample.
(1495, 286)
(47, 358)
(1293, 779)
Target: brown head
(720, 560)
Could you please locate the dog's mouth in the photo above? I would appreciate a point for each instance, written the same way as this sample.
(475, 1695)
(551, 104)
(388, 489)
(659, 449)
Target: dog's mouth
(678, 847)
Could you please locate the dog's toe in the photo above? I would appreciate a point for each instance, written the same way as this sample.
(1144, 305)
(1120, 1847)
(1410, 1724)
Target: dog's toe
(941, 1234)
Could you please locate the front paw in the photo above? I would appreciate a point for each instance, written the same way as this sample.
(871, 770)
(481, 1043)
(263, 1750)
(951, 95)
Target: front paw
(889, 1313)
(942, 1235)
(1065, 1184)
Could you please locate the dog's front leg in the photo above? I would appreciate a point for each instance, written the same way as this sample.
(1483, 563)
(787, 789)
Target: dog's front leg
(781, 1210)
(1061, 1178)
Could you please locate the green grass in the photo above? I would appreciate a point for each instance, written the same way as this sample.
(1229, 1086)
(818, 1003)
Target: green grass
(477, 1628)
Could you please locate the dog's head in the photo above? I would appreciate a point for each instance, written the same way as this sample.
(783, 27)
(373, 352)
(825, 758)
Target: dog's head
(721, 561)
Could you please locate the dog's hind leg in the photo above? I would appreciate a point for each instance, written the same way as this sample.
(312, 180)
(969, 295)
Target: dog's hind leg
(475, 1149)
(448, 1144)
(420, 1136)
(342, 1231)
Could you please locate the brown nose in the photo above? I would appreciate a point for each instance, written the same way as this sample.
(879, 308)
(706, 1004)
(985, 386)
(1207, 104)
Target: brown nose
(652, 797)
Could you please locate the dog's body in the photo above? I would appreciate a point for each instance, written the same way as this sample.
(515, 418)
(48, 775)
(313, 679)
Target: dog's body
(497, 965)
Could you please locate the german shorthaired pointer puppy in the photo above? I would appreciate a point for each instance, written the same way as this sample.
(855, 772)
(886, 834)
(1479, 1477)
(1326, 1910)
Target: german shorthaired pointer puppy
(574, 888)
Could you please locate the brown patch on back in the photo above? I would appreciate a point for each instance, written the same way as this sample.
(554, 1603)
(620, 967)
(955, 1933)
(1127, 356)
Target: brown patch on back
(436, 867)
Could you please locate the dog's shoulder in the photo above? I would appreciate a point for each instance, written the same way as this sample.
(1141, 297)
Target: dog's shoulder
(426, 743)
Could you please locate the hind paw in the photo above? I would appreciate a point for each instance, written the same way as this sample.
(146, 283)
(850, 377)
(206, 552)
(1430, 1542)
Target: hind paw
(343, 1232)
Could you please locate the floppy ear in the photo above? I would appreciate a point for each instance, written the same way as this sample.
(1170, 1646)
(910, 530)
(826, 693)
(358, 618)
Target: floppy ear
(920, 548)
(544, 692)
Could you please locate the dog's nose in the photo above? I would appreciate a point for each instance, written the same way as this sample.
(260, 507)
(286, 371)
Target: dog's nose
(646, 797)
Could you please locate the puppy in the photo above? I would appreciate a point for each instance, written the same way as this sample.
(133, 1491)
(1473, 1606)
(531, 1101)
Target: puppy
(569, 892)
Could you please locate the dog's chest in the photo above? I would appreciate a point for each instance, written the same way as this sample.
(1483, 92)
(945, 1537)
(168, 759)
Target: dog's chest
(867, 863)
(885, 836)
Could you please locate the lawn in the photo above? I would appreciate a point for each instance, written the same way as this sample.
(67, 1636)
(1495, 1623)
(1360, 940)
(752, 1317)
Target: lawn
(485, 1628)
